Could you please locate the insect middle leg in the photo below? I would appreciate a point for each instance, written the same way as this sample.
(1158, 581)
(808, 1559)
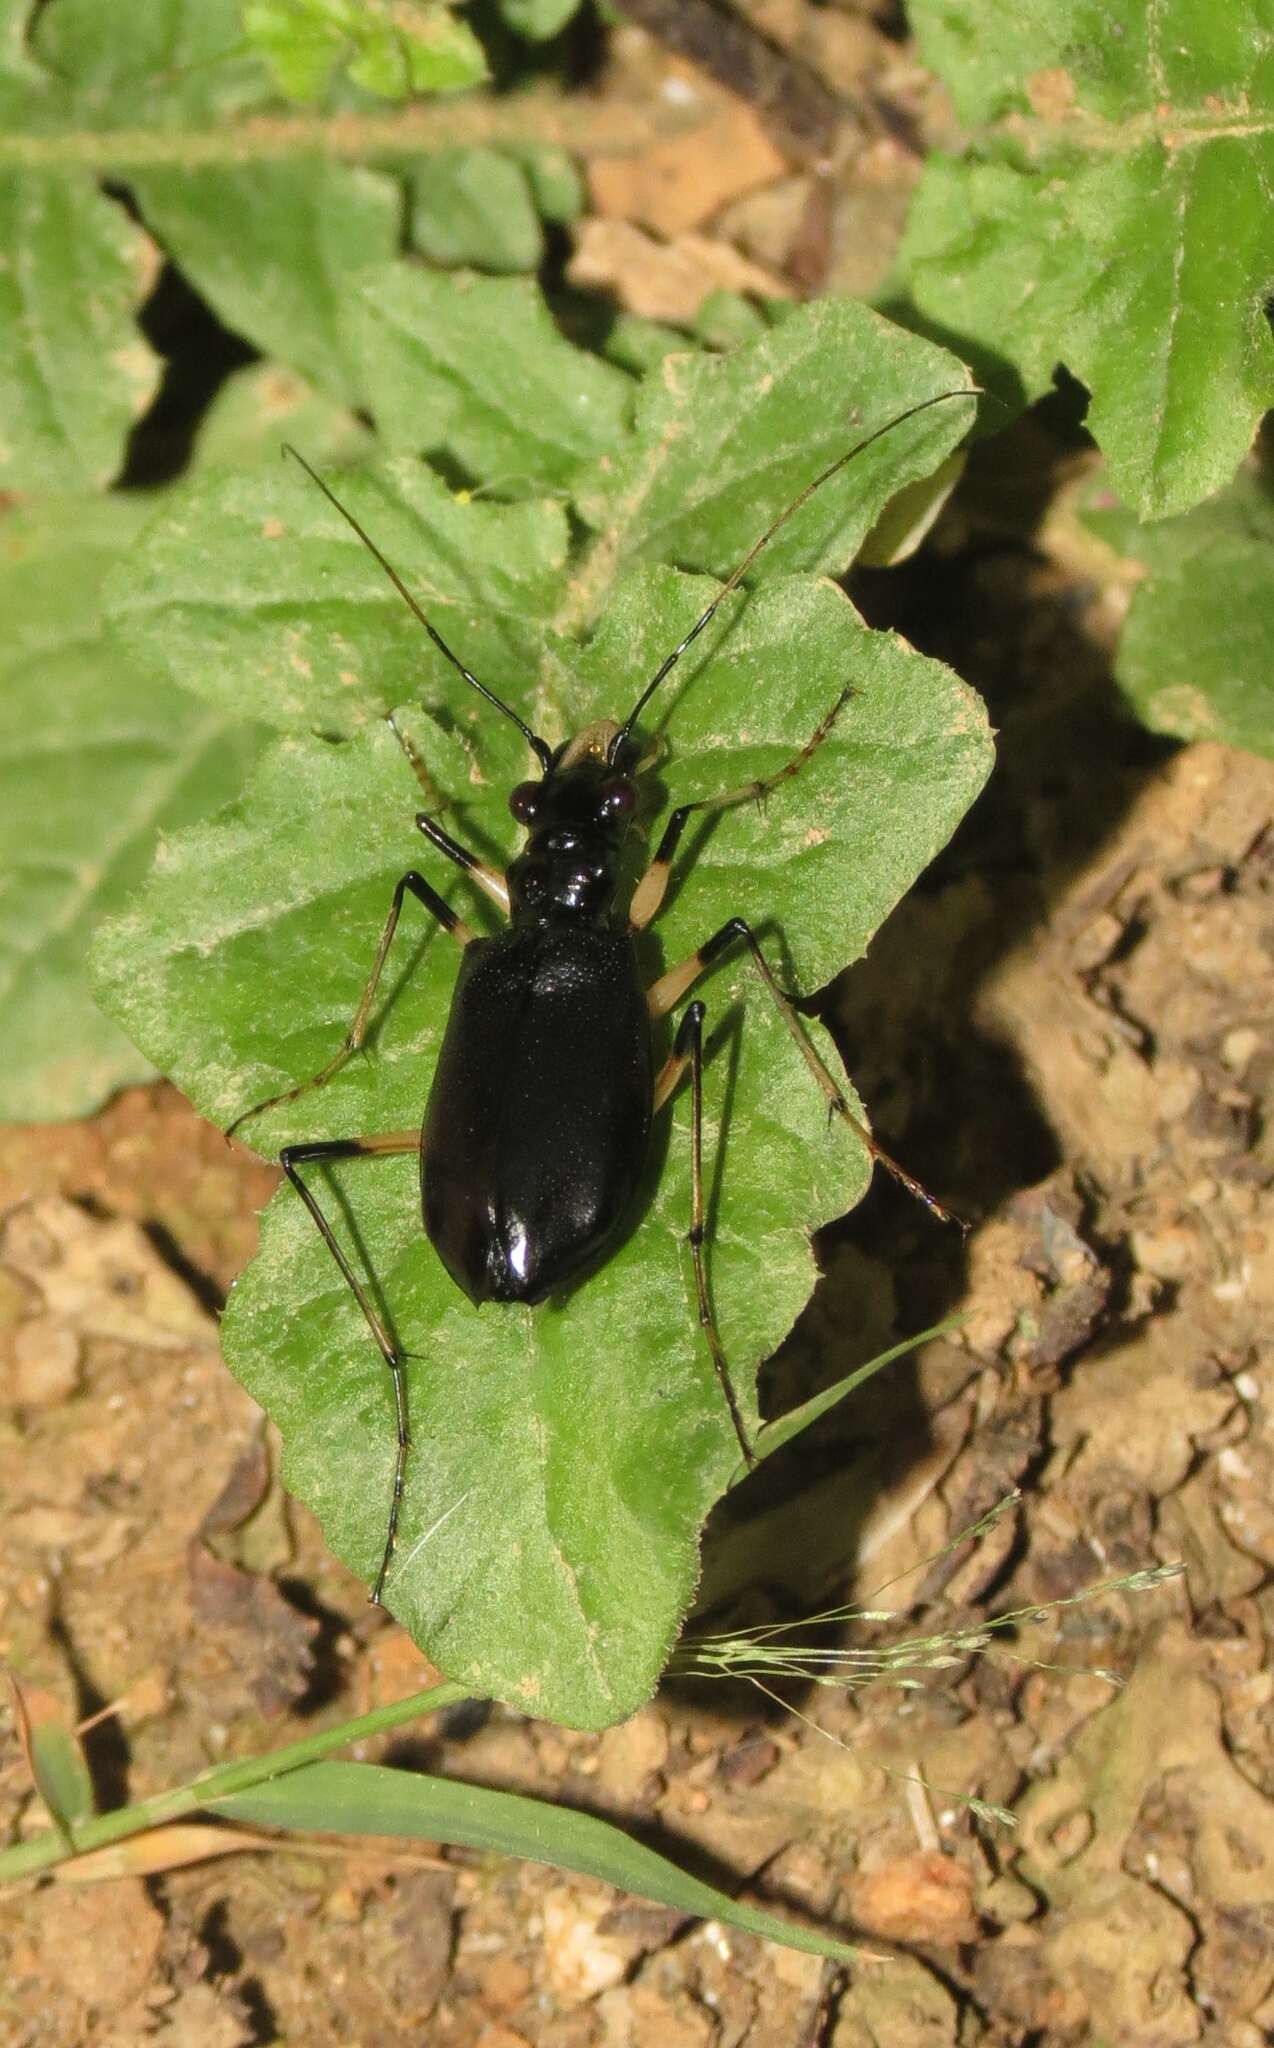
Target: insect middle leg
(663, 995)
(322, 1152)
(353, 1039)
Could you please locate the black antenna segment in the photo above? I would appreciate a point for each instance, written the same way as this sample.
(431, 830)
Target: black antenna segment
(539, 747)
(623, 735)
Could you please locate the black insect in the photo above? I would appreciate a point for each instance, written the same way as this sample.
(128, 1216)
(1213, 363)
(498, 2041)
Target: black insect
(526, 1178)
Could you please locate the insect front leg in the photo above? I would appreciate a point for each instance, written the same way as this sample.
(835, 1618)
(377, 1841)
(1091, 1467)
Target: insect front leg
(664, 994)
(688, 1051)
(322, 1152)
(353, 1039)
(648, 896)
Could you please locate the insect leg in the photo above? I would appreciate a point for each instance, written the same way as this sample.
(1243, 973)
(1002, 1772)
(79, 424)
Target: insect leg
(688, 1051)
(291, 1159)
(353, 1038)
(664, 994)
(488, 879)
(649, 894)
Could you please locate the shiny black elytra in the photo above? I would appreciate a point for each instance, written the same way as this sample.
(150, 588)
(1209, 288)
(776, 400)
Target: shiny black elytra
(535, 1134)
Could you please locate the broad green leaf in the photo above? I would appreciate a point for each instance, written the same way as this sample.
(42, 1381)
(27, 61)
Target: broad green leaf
(475, 366)
(556, 184)
(721, 444)
(1110, 214)
(565, 1457)
(251, 590)
(634, 343)
(475, 207)
(1196, 657)
(26, 90)
(727, 320)
(275, 249)
(260, 408)
(171, 62)
(75, 372)
(369, 1799)
(538, 19)
(389, 47)
(96, 758)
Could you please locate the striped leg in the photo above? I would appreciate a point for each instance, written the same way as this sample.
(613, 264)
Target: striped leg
(353, 1039)
(664, 994)
(292, 1158)
(487, 878)
(649, 894)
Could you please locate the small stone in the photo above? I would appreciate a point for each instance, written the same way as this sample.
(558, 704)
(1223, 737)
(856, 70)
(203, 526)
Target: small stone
(579, 1960)
(1097, 942)
(46, 1357)
(1240, 1046)
(343, 1905)
(1168, 1254)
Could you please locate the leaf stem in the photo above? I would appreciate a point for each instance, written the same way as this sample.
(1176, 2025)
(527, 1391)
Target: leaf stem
(614, 130)
(49, 1848)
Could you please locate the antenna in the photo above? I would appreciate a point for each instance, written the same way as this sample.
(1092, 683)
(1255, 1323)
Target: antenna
(621, 738)
(538, 746)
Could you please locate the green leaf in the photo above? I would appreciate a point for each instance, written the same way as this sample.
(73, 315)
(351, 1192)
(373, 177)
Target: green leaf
(261, 407)
(727, 320)
(389, 47)
(634, 343)
(1196, 658)
(475, 366)
(1110, 213)
(556, 184)
(75, 373)
(294, 623)
(275, 249)
(475, 207)
(369, 1799)
(179, 61)
(573, 1466)
(722, 443)
(54, 1756)
(538, 20)
(563, 1458)
(96, 758)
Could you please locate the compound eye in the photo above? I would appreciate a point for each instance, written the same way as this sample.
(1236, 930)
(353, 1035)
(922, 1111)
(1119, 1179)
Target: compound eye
(619, 797)
(524, 801)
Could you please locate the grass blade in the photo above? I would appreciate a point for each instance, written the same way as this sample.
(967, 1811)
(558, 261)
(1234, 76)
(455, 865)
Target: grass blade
(775, 1434)
(372, 1799)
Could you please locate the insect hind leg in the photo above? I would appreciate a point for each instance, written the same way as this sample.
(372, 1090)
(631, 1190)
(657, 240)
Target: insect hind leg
(687, 1051)
(664, 994)
(322, 1152)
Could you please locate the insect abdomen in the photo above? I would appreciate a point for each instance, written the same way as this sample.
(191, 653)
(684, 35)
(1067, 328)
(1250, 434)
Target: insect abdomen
(535, 1134)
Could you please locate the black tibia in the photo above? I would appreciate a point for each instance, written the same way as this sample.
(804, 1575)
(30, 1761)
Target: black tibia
(668, 991)
(354, 1037)
(324, 1152)
(688, 1046)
